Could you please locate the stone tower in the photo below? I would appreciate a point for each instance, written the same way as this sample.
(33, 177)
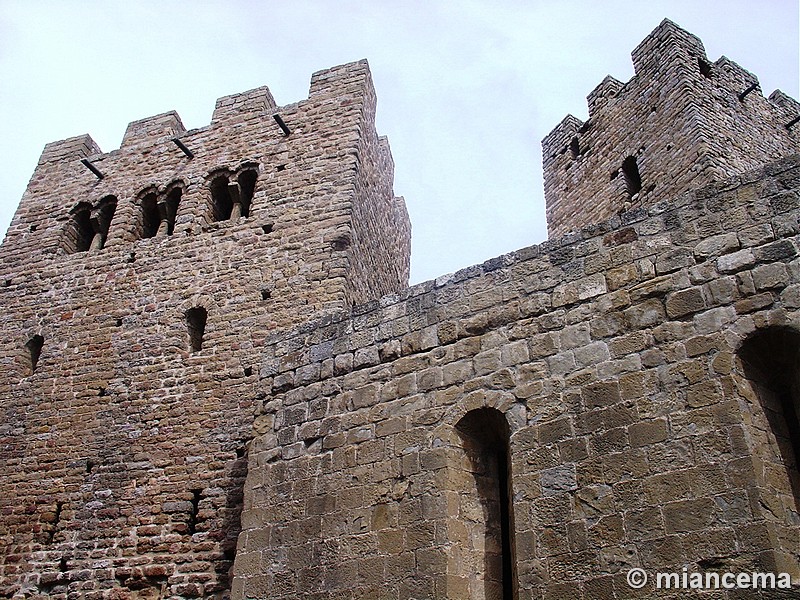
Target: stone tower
(216, 383)
(681, 122)
(138, 287)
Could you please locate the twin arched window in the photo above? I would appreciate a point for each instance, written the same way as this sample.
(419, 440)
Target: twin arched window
(158, 211)
(89, 226)
(232, 194)
(231, 197)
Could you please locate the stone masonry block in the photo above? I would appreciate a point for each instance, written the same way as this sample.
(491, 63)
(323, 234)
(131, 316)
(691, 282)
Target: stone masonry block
(583, 289)
(647, 432)
(645, 314)
(770, 276)
(558, 480)
(601, 394)
(689, 515)
(684, 302)
(732, 263)
(716, 245)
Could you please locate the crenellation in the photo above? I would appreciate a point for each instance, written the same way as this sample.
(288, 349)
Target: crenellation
(253, 103)
(153, 129)
(666, 49)
(81, 146)
(679, 122)
(605, 92)
(559, 139)
(216, 382)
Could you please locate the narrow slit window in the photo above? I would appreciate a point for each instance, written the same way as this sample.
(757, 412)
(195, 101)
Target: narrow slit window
(633, 180)
(575, 147)
(196, 323)
(705, 68)
(193, 515)
(34, 346)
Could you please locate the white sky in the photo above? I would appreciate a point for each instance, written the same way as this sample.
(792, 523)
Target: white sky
(466, 88)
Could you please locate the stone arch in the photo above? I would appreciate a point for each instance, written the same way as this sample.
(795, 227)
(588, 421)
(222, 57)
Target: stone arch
(768, 378)
(78, 234)
(169, 204)
(477, 484)
(220, 202)
(194, 316)
(148, 218)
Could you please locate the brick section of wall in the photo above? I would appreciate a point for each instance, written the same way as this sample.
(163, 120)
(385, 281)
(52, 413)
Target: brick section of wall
(636, 439)
(122, 452)
(681, 117)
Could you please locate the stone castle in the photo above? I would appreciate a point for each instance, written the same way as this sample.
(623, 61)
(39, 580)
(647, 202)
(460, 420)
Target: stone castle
(215, 382)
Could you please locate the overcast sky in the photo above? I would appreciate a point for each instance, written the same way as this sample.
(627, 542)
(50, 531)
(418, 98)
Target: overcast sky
(466, 89)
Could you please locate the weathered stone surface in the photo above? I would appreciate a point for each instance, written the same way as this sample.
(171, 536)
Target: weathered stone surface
(341, 435)
(153, 411)
(684, 302)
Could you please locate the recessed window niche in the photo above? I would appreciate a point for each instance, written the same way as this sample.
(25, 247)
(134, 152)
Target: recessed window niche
(196, 324)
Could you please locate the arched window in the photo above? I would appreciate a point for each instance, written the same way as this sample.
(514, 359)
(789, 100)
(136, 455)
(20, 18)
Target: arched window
(485, 507)
(633, 180)
(221, 204)
(771, 362)
(247, 188)
(101, 221)
(79, 233)
(150, 217)
(196, 324)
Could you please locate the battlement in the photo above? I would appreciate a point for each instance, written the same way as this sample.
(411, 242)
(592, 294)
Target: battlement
(165, 125)
(666, 47)
(219, 179)
(215, 382)
(246, 104)
(69, 149)
(623, 156)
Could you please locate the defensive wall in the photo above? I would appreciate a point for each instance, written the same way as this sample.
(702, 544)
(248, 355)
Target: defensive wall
(635, 436)
(216, 383)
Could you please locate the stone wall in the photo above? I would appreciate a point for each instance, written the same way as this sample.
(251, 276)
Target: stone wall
(209, 359)
(122, 444)
(634, 435)
(684, 121)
